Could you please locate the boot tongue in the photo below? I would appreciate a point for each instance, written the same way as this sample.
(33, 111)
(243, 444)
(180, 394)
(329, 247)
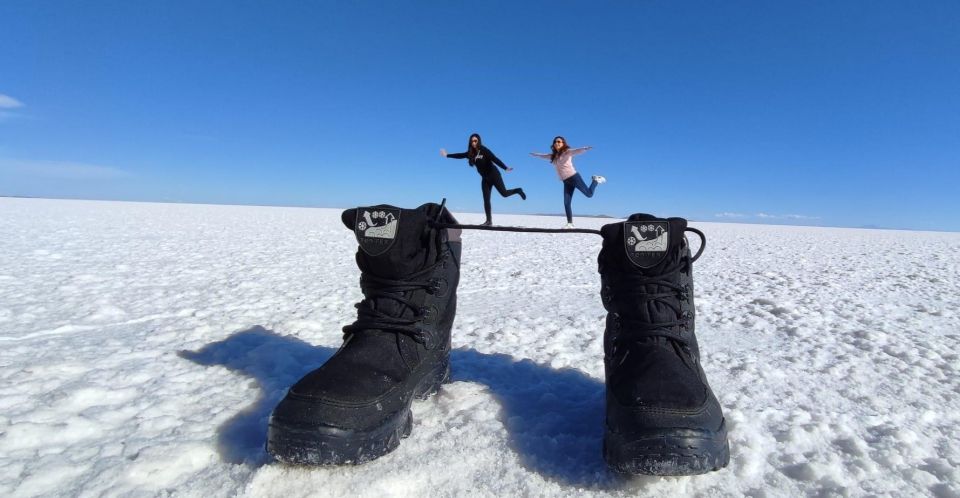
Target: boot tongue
(644, 243)
(394, 242)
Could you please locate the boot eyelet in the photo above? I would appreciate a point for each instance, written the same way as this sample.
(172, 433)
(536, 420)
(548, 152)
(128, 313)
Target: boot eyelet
(606, 295)
(426, 338)
(428, 314)
(440, 287)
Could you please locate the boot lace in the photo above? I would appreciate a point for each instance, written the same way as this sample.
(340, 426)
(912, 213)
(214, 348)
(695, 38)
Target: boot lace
(671, 296)
(376, 289)
(436, 223)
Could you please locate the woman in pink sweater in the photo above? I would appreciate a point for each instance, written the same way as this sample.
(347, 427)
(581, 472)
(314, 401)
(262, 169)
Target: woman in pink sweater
(561, 156)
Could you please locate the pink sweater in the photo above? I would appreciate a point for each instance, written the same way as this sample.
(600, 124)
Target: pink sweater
(564, 163)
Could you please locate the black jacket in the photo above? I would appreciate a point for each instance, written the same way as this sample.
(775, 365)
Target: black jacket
(484, 161)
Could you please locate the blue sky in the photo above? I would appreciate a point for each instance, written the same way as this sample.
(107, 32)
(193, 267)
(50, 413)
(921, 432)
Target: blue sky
(822, 113)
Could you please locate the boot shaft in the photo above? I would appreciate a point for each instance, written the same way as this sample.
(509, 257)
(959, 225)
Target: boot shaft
(410, 271)
(646, 278)
(395, 242)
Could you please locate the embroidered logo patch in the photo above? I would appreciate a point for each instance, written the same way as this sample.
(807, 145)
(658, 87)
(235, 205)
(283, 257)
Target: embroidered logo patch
(646, 242)
(376, 229)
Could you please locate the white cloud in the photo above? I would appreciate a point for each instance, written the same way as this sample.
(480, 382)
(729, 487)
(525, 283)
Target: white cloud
(786, 216)
(766, 216)
(61, 170)
(8, 102)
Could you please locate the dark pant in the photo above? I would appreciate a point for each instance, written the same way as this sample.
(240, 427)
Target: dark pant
(575, 182)
(491, 180)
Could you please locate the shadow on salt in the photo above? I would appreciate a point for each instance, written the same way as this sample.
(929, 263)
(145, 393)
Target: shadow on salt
(554, 416)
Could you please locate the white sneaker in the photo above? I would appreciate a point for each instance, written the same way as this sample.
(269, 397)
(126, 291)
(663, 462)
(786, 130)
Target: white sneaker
(599, 179)
(567, 226)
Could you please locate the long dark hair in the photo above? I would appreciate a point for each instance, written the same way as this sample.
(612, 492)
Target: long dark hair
(554, 153)
(471, 151)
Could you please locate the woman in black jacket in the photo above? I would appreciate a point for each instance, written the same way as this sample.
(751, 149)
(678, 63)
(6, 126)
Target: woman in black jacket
(484, 160)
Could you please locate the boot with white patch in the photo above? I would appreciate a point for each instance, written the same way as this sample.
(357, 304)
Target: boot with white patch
(662, 418)
(356, 406)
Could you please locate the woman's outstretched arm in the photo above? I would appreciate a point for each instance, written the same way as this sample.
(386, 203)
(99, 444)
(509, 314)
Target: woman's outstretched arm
(496, 160)
(455, 155)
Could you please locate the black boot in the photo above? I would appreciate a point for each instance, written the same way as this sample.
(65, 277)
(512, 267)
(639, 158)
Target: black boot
(661, 416)
(356, 407)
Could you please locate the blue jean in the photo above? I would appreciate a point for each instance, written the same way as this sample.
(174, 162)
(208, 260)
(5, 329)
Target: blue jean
(575, 182)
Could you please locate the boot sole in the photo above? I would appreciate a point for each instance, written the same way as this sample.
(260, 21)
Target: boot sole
(327, 445)
(675, 452)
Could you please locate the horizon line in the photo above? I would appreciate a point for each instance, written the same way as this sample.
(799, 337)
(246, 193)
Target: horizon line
(602, 216)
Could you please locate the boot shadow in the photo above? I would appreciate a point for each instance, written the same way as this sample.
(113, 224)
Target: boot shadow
(554, 417)
(276, 362)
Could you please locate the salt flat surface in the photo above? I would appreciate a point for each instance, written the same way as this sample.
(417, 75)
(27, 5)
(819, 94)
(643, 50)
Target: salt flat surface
(142, 347)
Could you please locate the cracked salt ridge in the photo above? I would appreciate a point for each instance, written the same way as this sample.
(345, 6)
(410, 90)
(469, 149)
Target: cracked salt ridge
(833, 352)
